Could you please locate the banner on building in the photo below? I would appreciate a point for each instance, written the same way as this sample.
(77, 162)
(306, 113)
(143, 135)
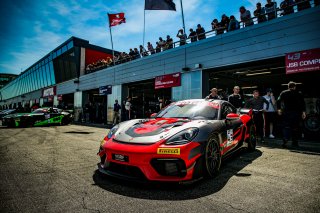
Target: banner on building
(105, 90)
(49, 92)
(303, 61)
(167, 81)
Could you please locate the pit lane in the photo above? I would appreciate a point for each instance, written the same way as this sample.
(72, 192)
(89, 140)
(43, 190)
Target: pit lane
(54, 169)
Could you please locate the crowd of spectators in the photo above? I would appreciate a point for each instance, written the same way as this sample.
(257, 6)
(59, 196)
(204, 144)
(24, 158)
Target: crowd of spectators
(226, 24)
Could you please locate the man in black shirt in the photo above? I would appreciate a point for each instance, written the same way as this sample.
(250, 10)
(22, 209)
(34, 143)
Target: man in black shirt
(256, 104)
(193, 35)
(292, 107)
(214, 94)
(200, 32)
(235, 98)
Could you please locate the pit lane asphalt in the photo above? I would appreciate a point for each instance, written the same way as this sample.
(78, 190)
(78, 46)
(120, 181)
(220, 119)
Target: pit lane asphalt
(53, 169)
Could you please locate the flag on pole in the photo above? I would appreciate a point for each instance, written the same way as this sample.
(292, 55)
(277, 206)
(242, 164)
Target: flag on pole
(159, 5)
(116, 19)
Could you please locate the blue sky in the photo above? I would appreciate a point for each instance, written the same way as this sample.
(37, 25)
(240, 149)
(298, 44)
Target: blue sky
(32, 28)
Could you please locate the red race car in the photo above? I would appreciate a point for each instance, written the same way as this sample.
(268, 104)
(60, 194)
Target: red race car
(183, 142)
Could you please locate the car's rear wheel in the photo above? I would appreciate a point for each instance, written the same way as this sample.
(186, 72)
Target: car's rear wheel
(252, 139)
(212, 156)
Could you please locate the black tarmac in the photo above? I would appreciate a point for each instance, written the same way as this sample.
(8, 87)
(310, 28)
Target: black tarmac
(54, 169)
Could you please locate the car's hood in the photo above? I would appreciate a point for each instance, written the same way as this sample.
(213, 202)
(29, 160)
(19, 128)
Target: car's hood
(149, 131)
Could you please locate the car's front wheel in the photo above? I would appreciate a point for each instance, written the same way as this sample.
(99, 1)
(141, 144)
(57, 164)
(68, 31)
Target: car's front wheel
(212, 156)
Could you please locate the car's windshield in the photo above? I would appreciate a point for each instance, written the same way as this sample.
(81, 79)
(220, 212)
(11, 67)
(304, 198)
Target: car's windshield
(6, 111)
(200, 110)
(40, 111)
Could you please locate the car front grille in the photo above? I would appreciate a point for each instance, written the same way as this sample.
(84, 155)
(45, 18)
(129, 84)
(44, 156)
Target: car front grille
(169, 167)
(125, 170)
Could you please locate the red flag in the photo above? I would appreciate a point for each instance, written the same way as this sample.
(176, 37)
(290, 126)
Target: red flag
(116, 19)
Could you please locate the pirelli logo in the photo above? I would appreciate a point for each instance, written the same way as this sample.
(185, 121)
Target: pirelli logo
(168, 151)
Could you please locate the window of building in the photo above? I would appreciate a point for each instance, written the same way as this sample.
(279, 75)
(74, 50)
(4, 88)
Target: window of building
(53, 79)
(64, 48)
(70, 45)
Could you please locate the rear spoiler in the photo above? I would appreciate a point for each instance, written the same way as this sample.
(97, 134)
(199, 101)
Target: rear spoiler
(245, 111)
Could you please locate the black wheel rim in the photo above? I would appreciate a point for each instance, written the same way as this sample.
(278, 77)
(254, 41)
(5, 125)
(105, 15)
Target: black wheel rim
(213, 156)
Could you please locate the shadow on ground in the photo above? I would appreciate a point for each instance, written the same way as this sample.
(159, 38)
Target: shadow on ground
(78, 132)
(173, 191)
(309, 147)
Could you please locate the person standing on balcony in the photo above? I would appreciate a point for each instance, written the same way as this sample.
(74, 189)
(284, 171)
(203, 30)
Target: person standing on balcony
(302, 4)
(182, 36)
(287, 7)
(245, 16)
(150, 48)
(192, 35)
(233, 24)
(216, 26)
(162, 44)
(201, 33)
(259, 13)
(158, 47)
(224, 23)
(271, 9)
(143, 51)
(169, 42)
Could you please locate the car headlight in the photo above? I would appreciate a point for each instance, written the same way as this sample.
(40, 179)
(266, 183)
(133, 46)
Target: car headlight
(183, 137)
(109, 135)
(112, 131)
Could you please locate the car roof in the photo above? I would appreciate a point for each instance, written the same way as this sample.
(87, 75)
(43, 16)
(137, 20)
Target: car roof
(204, 100)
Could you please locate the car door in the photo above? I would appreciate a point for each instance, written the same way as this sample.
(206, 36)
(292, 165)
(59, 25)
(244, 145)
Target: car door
(232, 134)
(54, 116)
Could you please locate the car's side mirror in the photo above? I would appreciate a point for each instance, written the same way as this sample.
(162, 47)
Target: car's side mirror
(233, 116)
(233, 121)
(153, 115)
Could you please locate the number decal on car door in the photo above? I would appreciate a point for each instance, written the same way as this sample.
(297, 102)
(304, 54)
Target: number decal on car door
(229, 137)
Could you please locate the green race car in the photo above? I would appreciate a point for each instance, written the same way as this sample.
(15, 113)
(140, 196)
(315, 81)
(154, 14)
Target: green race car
(40, 117)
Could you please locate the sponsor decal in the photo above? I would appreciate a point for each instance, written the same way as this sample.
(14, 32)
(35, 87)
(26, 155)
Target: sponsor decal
(49, 92)
(229, 137)
(168, 151)
(303, 61)
(105, 90)
(167, 81)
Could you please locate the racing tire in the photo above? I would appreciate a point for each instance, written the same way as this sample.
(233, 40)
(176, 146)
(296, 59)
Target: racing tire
(212, 156)
(27, 123)
(252, 139)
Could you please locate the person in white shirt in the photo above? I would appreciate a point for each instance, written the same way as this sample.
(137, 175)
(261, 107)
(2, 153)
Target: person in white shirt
(270, 113)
